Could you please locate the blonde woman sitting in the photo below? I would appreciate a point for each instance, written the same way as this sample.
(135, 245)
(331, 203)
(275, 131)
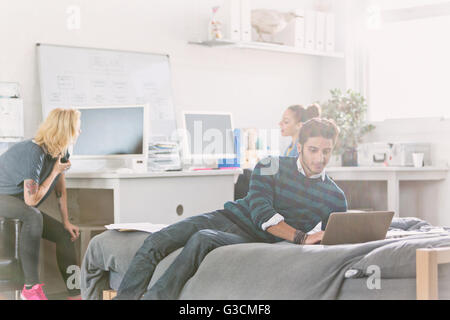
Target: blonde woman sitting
(29, 171)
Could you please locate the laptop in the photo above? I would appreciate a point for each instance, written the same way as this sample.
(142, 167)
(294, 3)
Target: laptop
(356, 227)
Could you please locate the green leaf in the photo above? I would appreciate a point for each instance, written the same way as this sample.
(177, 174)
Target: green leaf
(348, 110)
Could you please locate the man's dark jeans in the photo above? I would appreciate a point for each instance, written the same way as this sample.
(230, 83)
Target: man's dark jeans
(198, 235)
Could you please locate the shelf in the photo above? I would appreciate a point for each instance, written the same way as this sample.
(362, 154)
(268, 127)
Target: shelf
(267, 47)
(215, 43)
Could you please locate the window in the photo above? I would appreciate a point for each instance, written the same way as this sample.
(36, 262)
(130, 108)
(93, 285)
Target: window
(409, 68)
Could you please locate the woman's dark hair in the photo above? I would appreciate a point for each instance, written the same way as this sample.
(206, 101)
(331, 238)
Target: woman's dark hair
(302, 115)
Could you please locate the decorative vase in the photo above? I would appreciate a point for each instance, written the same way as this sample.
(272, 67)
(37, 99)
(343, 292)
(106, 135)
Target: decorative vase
(215, 26)
(350, 157)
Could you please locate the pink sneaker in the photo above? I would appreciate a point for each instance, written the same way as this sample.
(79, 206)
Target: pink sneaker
(35, 293)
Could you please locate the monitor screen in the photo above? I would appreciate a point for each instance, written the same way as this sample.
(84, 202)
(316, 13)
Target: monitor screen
(111, 131)
(209, 135)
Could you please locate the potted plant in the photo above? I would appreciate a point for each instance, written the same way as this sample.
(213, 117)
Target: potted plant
(348, 110)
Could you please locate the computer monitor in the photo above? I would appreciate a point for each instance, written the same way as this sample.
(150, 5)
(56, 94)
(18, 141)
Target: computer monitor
(209, 135)
(112, 132)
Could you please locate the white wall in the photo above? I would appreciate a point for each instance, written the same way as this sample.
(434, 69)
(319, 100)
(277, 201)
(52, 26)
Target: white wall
(256, 86)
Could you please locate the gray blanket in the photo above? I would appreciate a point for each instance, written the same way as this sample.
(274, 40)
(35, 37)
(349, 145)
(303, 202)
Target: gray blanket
(265, 271)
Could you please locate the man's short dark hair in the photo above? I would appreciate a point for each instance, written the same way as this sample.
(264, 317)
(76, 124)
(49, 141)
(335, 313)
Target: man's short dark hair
(318, 127)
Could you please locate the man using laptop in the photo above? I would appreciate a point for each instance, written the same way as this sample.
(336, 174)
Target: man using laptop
(288, 196)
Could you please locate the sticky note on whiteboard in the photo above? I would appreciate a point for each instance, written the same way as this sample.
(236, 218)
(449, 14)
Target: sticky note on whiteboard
(11, 118)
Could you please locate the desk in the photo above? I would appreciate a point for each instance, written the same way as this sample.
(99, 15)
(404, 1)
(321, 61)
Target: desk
(160, 197)
(392, 175)
(155, 197)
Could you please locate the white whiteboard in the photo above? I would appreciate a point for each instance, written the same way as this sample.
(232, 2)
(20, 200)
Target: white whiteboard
(71, 77)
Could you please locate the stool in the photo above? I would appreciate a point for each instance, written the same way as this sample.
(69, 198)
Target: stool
(11, 274)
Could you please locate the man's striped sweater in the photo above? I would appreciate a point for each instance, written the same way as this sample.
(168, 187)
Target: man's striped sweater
(277, 186)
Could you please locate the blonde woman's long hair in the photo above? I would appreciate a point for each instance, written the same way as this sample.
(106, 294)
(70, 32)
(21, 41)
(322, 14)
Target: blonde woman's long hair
(58, 131)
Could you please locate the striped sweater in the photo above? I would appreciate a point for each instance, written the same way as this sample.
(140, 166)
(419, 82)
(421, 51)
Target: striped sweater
(277, 186)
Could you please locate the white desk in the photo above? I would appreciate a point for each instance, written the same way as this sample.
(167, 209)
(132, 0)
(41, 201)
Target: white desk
(392, 175)
(160, 197)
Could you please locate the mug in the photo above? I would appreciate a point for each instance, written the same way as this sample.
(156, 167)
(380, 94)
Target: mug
(418, 160)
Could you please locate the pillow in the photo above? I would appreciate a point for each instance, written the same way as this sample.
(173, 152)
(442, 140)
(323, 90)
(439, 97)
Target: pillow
(408, 223)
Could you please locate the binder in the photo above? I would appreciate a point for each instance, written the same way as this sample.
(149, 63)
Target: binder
(310, 29)
(330, 32)
(237, 160)
(300, 29)
(229, 15)
(245, 20)
(320, 31)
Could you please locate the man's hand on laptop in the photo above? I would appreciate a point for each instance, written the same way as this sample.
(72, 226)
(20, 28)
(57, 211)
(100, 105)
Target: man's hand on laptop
(314, 238)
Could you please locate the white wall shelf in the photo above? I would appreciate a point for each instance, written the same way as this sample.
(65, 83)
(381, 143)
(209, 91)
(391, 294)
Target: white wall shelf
(267, 47)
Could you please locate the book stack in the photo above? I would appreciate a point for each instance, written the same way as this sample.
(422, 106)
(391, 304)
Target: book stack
(163, 156)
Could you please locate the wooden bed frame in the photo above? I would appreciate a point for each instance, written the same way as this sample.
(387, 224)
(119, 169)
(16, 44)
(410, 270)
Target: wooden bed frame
(427, 261)
(109, 294)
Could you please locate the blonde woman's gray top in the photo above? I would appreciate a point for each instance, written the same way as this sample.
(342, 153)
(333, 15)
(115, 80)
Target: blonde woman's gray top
(24, 160)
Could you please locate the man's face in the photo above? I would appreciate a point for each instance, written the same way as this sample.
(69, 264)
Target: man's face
(315, 154)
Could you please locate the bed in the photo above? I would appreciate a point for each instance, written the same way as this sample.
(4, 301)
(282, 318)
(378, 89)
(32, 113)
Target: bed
(384, 269)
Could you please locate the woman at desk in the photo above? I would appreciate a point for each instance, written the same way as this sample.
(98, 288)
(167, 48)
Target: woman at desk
(292, 121)
(290, 124)
(29, 171)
